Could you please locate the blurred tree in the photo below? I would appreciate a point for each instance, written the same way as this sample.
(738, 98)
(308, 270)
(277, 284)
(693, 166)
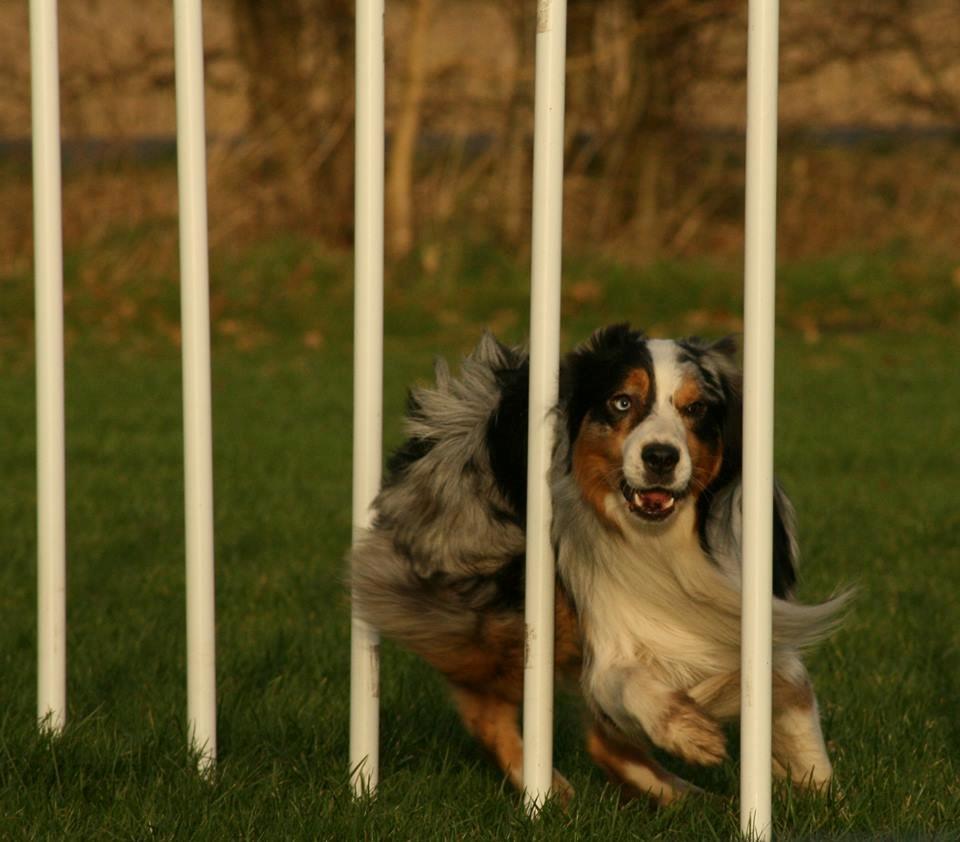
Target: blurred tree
(514, 181)
(641, 171)
(916, 41)
(636, 60)
(400, 170)
(297, 159)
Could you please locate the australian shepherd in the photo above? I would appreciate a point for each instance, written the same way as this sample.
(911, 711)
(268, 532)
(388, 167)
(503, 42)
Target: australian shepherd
(645, 482)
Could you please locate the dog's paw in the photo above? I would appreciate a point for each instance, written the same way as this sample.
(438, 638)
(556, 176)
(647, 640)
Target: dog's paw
(815, 778)
(688, 732)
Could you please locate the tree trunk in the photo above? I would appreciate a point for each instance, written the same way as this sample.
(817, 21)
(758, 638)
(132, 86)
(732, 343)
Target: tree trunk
(516, 130)
(403, 149)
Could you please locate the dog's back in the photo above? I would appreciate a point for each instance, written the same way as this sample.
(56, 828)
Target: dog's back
(441, 571)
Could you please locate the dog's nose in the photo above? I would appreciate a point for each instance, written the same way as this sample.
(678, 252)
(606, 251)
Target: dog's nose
(660, 458)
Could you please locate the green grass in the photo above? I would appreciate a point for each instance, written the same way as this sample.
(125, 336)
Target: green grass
(867, 426)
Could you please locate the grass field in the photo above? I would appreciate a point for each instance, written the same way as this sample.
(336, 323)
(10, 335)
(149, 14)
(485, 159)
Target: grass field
(867, 426)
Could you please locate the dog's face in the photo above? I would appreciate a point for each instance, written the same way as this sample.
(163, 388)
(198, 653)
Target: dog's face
(648, 421)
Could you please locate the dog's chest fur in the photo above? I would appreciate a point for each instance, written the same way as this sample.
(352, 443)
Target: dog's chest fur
(646, 595)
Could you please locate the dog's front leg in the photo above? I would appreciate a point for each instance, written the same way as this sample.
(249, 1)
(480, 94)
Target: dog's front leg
(798, 748)
(639, 703)
(631, 766)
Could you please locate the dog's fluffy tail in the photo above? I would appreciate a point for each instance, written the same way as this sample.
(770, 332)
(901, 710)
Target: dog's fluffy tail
(439, 558)
(800, 626)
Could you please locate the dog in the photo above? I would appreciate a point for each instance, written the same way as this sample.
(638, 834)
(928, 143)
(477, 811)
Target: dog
(645, 483)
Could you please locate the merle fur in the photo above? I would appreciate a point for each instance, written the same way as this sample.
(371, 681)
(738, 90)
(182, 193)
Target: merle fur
(448, 539)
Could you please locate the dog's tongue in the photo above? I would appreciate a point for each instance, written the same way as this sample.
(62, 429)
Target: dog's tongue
(655, 501)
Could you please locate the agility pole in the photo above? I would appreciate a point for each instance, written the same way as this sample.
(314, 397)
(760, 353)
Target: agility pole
(546, 263)
(197, 423)
(758, 373)
(544, 368)
(48, 266)
(368, 375)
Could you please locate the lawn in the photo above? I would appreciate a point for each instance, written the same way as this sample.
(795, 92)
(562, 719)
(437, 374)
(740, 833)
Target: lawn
(867, 426)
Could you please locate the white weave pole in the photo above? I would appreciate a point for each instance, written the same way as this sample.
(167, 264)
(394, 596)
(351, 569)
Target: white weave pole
(758, 372)
(368, 376)
(197, 424)
(48, 265)
(544, 367)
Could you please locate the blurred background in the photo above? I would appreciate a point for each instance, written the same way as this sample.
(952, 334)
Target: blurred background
(870, 144)
(868, 310)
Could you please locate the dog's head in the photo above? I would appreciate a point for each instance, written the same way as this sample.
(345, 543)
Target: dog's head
(652, 423)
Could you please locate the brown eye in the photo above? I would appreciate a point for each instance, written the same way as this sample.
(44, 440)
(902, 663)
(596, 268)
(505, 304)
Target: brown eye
(620, 403)
(694, 411)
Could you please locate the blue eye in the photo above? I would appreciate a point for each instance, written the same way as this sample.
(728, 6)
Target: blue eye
(620, 403)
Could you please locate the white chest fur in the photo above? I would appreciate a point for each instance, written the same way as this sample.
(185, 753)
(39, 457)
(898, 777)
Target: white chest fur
(650, 595)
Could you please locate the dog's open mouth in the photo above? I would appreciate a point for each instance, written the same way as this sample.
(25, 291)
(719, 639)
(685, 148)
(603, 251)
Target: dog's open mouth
(650, 503)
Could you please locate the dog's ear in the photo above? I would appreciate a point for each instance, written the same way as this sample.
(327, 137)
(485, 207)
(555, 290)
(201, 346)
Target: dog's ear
(726, 347)
(722, 358)
(724, 382)
(786, 550)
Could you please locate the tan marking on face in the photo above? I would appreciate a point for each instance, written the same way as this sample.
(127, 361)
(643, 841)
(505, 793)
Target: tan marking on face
(705, 458)
(687, 393)
(598, 449)
(637, 385)
(597, 463)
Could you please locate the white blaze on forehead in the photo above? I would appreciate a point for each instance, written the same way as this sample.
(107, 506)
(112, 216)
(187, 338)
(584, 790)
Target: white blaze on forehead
(663, 424)
(667, 373)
